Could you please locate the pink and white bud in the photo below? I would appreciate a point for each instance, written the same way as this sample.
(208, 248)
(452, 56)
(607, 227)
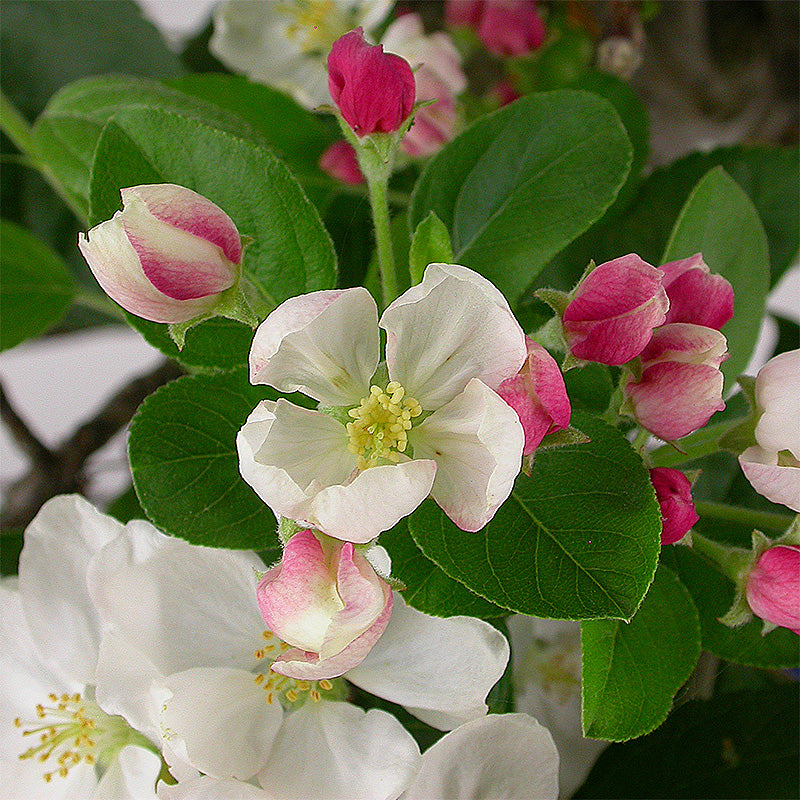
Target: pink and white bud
(438, 75)
(341, 162)
(773, 587)
(505, 27)
(681, 384)
(167, 255)
(373, 90)
(773, 465)
(613, 311)
(326, 601)
(674, 495)
(695, 295)
(538, 395)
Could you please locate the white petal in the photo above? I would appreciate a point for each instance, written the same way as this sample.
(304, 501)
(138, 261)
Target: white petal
(776, 483)
(298, 463)
(450, 328)
(778, 394)
(179, 604)
(224, 720)
(26, 778)
(476, 441)
(59, 543)
(502, 757)
(132, 775)
(430, 664)
(337, 751)
(205, 788)
(324, 344)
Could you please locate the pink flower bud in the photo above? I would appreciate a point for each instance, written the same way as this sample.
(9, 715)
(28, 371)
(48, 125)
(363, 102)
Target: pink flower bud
(374, 90)
(340, 162)
(674, 495)
(773, 587)
(505, 27)
(326, 600)
(538, 395)
(680, 385)
(695, 295)
(167, 255)
(614, 310)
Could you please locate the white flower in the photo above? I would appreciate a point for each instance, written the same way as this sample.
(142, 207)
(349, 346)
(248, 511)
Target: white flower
(55, 739)
(547, 681)
(773, 465)
(286, 44)
(427, 422)
(184, 622)
(499, 757)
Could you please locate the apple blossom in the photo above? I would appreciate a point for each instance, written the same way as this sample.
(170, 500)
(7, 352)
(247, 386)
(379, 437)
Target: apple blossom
(505, 27)
(341, 162)
(499, 757)
(538, 395)
(773, 587)
(674, 495)
(613, 310)
(438, 76)
(285, 44)
(326, 600)
(186, 655)
(547, 682)
(56, 739)
(772, 465)
(695, 295)
(373, 90)
(429, 421)
(680, 385)
(168, 256)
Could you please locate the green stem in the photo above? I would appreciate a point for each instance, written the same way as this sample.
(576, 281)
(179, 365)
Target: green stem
(730, 560)
(99, 302)
(383, 237)
(768, 520)
(18, 130)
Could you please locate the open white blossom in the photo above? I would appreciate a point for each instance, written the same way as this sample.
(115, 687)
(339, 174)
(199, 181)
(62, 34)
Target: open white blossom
(184, 623)
(56, 740)
(427, 421)
(547, 682)
(499, 757)
(286, 44)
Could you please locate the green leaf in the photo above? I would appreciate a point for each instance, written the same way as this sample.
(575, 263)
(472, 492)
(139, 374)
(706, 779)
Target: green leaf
(36, 287)
(185, 468)
(67, 132)
(521, 183)
(578, 539)
(291, 251)
(631, 670)
(719, 221)
(428, 588)
(740, 744)
(713, 595)
(429, 245)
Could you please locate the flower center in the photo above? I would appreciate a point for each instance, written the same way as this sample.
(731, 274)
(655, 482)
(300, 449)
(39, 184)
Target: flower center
(73, 730)
(557, 666)
(290, 692)
(380, 426)
(314, 24)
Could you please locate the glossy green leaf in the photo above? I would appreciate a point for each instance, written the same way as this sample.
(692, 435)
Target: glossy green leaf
(578, 539)
(738, 744)
(719, 221)
(68, 130)
(185, 468)
(632, 670)
(430, 244)
(713, 596)
(428, 588)
(291, 252)
(521, 183)
(36, 287)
